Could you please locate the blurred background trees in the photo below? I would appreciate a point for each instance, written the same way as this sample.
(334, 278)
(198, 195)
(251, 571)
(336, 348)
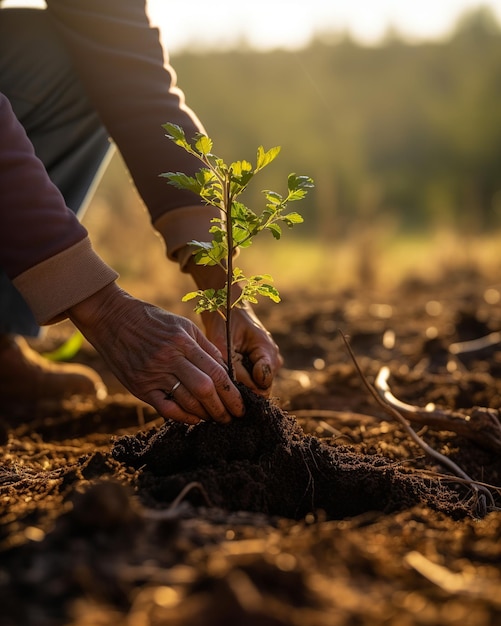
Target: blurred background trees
(410, 132)
(400, 138)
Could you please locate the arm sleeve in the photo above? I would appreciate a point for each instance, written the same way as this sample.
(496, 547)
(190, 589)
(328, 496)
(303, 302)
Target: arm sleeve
(43, 247)
(125, 71)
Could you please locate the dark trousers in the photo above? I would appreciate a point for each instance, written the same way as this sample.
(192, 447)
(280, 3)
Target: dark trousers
(37, 77)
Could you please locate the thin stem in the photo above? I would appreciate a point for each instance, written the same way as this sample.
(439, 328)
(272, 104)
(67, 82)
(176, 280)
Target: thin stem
(229, 274)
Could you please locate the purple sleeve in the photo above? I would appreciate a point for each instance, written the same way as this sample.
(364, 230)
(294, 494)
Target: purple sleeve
(35, 224)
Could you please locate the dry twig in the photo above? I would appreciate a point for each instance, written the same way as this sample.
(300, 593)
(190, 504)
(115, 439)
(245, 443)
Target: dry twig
(481, 425)
(482, 494)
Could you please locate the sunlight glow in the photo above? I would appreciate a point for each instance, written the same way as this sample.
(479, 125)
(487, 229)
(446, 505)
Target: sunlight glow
(291, 24)
(269, 24)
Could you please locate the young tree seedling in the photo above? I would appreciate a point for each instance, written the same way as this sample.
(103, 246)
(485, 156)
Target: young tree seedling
(221, 185)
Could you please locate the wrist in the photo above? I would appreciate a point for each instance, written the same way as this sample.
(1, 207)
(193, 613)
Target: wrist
(96, 307)
(206, 276)
(212, 277)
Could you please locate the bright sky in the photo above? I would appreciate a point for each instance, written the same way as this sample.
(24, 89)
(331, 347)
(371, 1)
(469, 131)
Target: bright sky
(267, 24)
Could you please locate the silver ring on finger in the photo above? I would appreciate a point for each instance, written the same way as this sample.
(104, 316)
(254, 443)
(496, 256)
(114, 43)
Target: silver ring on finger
(169, 395)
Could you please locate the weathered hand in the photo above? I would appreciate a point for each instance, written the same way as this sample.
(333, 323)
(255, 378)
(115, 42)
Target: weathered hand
(257, 357)
(149, 350)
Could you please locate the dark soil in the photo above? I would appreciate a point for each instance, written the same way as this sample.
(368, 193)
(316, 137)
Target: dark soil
(265, 463)
(315, 508)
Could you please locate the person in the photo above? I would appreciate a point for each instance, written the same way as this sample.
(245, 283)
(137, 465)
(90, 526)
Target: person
(73, 75)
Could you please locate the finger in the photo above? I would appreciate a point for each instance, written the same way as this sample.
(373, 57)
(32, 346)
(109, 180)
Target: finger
(212, 349)
(214, 390)
(263, 373)
(169, 409)
(192, 391)
(242, 374)
(183, 397)
(260, 386)
(210, 384)
(262, 370)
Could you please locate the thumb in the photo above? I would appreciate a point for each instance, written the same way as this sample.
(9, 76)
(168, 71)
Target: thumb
(262, 373)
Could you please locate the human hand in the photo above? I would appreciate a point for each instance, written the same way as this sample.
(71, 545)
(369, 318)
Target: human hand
(256, 356)
(150, 350)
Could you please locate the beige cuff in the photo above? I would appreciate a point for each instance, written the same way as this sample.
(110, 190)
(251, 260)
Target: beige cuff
(58, 283)
(180, 226)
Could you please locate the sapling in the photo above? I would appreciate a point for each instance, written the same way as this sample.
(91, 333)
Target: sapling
(221, 186)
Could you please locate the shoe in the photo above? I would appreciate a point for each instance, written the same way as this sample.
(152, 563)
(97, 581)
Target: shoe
(26, 378)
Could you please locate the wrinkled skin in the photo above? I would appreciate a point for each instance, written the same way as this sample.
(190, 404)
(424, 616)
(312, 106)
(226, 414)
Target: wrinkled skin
(149, 350)
(253, 346)
(256, 356)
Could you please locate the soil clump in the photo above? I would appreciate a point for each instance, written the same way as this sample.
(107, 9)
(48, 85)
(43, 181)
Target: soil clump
(315, 509)
(265, 463)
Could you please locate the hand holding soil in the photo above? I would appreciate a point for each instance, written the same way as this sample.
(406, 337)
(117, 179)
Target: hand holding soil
(256, 356)
(150, 350)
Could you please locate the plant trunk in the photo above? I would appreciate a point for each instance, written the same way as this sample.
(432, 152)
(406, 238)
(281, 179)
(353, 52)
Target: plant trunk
(229, 280)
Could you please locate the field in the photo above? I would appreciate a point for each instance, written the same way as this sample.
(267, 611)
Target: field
(316, 509)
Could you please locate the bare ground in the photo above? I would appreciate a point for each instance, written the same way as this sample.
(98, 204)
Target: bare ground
(315, 509)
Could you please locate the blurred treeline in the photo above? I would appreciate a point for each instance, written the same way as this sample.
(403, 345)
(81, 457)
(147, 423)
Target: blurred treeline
(401, 136)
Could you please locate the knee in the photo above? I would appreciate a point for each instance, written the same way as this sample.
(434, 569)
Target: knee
(36, 71)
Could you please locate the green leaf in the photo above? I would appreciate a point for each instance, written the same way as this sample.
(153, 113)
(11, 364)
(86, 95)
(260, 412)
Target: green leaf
(190, 295)
(295, 182)
(239, 168)
(298, 194)
(292, 218)
(174, 131)
(182, 181)
(241, 212)
(205, 176)
(209, 253)
(217, 163)
(176, 134)
(269, 291)
(219, 234)
(67, 350)
(238, 274)
(203, 245)
(203, 144)
(260, 277)
(265, 158)
(244, 244)
(273, 197)
(275, 230)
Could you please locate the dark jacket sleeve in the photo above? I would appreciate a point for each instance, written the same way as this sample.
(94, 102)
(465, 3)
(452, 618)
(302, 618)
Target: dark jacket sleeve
(43, 247)
(119, 58)
(35, 223)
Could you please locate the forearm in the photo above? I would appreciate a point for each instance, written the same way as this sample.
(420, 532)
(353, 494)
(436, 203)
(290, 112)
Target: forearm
(35, 224)
(211, 277)
(120, 60)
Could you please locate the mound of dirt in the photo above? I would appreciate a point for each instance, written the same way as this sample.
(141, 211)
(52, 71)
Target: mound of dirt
(265, 463)
(104, 516)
